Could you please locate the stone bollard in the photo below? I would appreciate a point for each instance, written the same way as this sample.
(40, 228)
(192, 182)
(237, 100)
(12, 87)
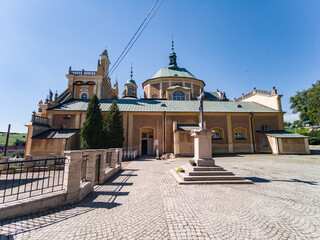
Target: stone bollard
(91, 165)
(27, 161)
(103, 159)
(71, 181)
(3, 160)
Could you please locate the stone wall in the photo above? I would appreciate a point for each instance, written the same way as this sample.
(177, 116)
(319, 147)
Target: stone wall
(73, 191)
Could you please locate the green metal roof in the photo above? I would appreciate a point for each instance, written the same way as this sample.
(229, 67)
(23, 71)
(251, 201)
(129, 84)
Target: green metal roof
(56, 134)
(136, 105)
(131, 81)
(167, 72)
(284, 134)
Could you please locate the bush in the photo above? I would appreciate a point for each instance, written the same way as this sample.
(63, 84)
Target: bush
(180, 170)
(19, 143)
(314, 137)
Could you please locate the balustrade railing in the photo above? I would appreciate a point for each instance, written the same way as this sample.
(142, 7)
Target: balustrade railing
(130, 154)
(38, 119)
(83, 72)
(108, 159)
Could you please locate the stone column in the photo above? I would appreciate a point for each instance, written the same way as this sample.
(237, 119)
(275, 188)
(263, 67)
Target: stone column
(203, 147)
(103, 159)
(71, 181)
(28, 161)
(306, 143)
(51, 162)
(2, 160)
(119, 150)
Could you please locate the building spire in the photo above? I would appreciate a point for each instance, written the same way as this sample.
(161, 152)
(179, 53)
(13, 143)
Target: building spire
(172, 44)
(131, 75)
(173, 57)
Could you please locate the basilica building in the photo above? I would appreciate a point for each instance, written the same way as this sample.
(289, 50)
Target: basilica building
(161, 121)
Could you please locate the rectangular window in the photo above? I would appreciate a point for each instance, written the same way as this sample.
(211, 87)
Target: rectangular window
(239, 135)
(265, 142)
(265, 128)
(216, 135)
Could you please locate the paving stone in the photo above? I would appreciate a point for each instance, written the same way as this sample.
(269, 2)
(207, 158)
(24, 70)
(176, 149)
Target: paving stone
(145, 202)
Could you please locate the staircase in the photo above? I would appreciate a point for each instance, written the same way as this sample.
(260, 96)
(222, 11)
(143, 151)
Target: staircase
(206, 175)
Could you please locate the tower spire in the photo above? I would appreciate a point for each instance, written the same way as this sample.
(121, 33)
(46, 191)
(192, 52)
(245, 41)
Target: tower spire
(172, 44)
(131, 75)
(173, 57)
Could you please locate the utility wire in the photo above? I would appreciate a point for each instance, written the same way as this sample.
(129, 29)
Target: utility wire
(136, 38)
(135, 34)
(130, 44)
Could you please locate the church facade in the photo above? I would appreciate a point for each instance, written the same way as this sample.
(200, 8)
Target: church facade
(161, 121)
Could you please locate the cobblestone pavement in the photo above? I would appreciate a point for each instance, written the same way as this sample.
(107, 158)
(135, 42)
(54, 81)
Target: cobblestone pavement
(144, 202)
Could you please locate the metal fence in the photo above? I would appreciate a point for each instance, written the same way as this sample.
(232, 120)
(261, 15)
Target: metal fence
(23, 179)
(108, 159)
(83, 172)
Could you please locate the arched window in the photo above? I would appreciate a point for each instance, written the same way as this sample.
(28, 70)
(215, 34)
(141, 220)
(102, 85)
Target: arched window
(178, 95)
(129, 89)
(84, 96)
(154, 96)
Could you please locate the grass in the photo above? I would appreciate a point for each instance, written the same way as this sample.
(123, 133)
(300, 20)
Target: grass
(299, 131)
(12, 138)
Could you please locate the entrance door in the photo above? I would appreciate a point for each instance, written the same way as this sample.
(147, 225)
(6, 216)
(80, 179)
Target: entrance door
(147, 141)
(144, 147)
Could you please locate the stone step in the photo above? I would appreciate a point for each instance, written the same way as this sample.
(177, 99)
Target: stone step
(209, 173)
(244, 181)
(180, 179)
(209, 178)
(216, 168)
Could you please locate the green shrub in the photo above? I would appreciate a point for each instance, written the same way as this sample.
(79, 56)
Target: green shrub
(314, 137)
(19, 142)
(180, 170)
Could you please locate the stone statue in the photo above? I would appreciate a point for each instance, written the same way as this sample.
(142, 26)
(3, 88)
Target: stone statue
(200, 98)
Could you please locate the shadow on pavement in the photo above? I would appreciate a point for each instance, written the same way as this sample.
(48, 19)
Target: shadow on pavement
(315, 152)
(44, 219)
(264, 180)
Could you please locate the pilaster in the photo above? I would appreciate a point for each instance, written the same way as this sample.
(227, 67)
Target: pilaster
(230, 135)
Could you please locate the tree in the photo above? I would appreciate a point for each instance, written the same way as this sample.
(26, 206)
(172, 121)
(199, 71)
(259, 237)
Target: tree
(113, 127)
(307, 103)
(92, 134)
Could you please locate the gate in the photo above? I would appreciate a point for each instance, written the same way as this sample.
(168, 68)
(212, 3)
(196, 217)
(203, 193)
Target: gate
(97, 172)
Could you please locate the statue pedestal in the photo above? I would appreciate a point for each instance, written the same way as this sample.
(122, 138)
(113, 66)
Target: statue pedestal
(203, 147)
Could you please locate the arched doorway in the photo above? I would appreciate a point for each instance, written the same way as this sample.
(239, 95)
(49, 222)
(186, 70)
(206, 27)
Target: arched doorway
(147, 136)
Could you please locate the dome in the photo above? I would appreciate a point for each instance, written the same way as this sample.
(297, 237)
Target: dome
(131, 81)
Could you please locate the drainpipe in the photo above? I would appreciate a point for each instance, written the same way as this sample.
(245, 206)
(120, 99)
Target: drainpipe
(252, 134)
(164, 132)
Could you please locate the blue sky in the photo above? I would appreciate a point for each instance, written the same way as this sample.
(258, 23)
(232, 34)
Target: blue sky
(233, 46)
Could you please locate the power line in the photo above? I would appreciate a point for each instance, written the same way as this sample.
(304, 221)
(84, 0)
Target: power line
(135, 34)
(130, 44)
(136, 38)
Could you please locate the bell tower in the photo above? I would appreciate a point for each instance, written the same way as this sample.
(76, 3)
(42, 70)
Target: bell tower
(130, 88)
